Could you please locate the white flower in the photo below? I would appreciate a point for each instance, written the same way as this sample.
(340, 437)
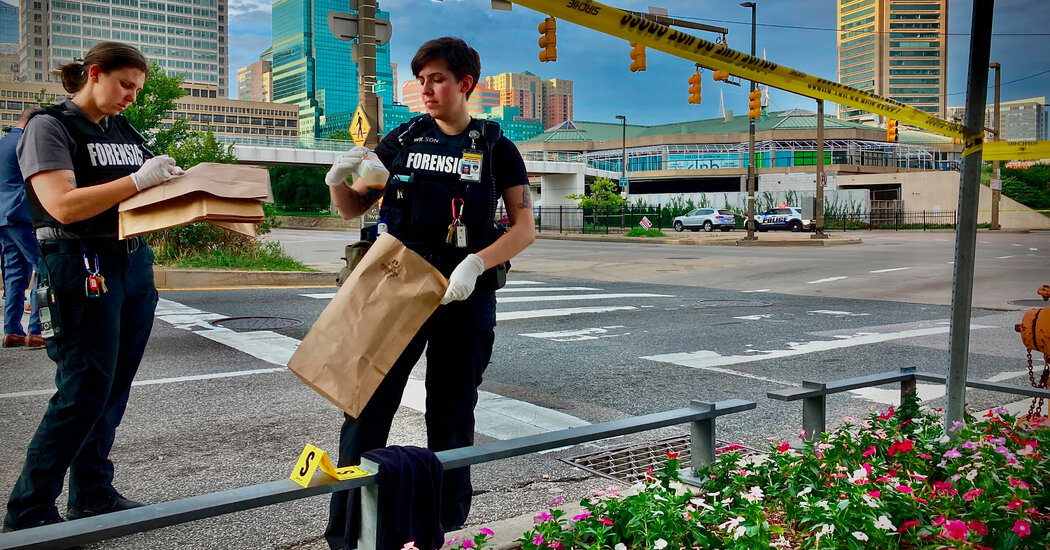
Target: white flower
(971, 475)
(732, 524)
(884, 523)
(728, 501)
(943, 439)
(825, 529)
(620, 546)
(858, 474)
(870, 501)
(806, 491)
(754, 495)
(823, 504)
(859, 536)
(739, 532)
(660, 544)
(781, 543)
(676, 486)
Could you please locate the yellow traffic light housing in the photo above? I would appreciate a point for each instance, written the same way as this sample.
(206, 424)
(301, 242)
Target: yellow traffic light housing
(721, 76)
(694, 88)
(891, 130)
(548, 40)
(754, 104)
(637, 57)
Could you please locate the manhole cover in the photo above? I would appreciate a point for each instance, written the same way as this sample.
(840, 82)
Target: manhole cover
(1029, 303)
(628, 464)
(245, 324)
(731, 303)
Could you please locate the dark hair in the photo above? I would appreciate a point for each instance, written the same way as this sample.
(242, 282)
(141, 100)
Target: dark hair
(461, 59)
(109, 56)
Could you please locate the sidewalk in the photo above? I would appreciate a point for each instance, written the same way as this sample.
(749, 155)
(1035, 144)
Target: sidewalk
(201, 279)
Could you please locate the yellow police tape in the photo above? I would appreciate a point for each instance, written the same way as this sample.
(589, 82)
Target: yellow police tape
(314, 458)
(622, 24)
(1016, 150)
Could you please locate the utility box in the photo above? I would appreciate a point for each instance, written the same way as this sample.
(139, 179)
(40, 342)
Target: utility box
(809, 208)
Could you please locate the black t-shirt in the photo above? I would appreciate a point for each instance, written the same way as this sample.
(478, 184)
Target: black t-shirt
(507, 165)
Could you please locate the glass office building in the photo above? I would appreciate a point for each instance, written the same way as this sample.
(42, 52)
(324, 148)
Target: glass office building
(313, 69)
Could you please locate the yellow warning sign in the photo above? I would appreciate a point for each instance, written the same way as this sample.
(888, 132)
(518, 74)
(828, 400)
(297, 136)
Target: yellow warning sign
(313, 458)
(359, 126)
(634, 28)
(1016, 150)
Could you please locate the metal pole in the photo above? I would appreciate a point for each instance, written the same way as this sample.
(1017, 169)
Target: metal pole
(966, 230)
(818, 232)
(996, 193)
(366, 69)
(623, 152)
(751, 165)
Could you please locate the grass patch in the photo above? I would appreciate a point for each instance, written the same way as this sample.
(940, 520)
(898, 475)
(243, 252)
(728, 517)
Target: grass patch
(266, 257)
(640, 232)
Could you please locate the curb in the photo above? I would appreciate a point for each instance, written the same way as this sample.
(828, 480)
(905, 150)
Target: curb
(202, 279)
(710, 241)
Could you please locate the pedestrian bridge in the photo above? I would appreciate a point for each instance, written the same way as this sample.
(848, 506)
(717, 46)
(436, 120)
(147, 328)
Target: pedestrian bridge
(560, 174)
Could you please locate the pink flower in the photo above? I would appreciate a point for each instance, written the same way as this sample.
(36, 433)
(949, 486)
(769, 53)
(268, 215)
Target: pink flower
(868, 452)
(900, 447)
(904, 488)
(582, 515)
(605, 521)
(486, 531)
(555, 545)
(537, 540)
(972, 494)
(1018, 483)
(977, 527)
(728, 448)
(924, 456)
(848, 419)
(887, 415)
(874, 494)
(955, 529)
(556, 502)
(922, 500)
(468, 543)
(542, 517)
(1015, 504)
(938, 521)
(1022, 528)
(952, 453)
(783, 446)
(909, 523)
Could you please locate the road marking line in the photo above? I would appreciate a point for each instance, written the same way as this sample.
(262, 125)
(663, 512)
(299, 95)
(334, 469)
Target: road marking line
(575, 335)
(557, 312)
(544, 289)
(1033, 249)
(889, 270)
(518, 299)
(1006, 376)
(1002, 257)
(925, 392)
(711, 360)
(833, 312)
(828, 280)
(516, 283)
(760, 290)
(755, 317)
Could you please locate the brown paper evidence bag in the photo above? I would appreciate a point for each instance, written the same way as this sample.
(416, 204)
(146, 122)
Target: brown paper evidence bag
(368, 324)
(226, 195)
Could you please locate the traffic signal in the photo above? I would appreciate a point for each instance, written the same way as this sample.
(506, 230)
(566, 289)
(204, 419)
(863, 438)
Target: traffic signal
(637, 57)
(754, 104)
(891, 130)
(722, 76)
(694, 88)
(548, 40)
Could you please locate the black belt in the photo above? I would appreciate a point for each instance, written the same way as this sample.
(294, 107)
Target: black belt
(81, 246)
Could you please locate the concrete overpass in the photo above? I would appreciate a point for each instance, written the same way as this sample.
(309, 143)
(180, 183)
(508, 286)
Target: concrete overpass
(560, 174)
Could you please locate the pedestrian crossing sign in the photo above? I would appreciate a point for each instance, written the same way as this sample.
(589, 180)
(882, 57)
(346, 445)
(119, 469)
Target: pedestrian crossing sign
(359, 126)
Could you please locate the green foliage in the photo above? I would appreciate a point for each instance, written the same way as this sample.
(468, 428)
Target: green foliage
(267, 257)
(158, 96)
(201, 147)
(604, 194)
(45, 99)
(299, 188)
(340, 135)
(642, 232)
(1028, 186)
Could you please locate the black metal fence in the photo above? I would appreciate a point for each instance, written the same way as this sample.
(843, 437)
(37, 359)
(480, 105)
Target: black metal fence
(622, 219)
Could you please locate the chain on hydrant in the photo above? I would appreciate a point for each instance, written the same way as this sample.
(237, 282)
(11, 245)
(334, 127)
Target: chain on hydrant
(1035, 334)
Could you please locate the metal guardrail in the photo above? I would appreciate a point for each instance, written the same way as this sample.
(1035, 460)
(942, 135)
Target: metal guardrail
(700, 415)
(814, 394)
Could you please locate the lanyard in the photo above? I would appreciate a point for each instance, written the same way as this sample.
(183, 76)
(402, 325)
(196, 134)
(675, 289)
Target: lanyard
(87, 266)
(457, 213)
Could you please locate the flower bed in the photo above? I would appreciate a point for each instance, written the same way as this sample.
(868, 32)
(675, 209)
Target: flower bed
(893, 481)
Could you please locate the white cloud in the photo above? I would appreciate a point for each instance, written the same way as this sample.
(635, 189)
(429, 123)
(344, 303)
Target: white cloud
(243, 7)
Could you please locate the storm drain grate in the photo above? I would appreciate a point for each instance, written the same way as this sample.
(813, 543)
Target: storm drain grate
(1029, 303)
(628, 464)
(731, 303)
(246, 324)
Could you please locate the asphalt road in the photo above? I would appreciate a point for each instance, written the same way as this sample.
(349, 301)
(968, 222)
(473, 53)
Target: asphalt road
(588, 332)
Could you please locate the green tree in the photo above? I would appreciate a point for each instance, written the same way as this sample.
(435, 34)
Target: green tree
(340, 135)
(299, 188)
(158, 97)
(603, 196)
(200, 147)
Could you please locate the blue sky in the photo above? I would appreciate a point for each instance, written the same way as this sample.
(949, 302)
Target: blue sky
(598, 64)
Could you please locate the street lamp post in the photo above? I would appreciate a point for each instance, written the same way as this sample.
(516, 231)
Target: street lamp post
(996, 193)
(751, 166)
(623, 150)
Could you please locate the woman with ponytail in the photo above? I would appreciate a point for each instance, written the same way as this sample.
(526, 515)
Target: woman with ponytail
(80, 158)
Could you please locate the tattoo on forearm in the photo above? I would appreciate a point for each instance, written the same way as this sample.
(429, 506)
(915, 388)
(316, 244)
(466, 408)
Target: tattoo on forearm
(526, 198)
(72, 181)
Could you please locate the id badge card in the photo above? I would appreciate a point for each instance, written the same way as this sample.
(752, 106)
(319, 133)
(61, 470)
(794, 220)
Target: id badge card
(470, 165)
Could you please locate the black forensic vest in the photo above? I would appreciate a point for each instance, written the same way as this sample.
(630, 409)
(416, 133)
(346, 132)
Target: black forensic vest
(417, 206)
(100, 156)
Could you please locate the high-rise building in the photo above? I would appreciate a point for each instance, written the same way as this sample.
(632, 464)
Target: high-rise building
(8, 23)
(1019, 120)
(313, 69)
(393, 76)
(183, 36)
(481, 99)
(896, 49)
(550, 101)
(254, 82)
(8, 62)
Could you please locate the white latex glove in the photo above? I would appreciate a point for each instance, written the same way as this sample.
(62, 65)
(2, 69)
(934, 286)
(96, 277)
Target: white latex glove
(464, 277)
(346, 164)
(155, 171)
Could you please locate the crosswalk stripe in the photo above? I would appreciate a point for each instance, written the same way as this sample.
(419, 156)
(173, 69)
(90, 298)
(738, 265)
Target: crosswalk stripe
(566, 297)
(557, 312)
(544, 289)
